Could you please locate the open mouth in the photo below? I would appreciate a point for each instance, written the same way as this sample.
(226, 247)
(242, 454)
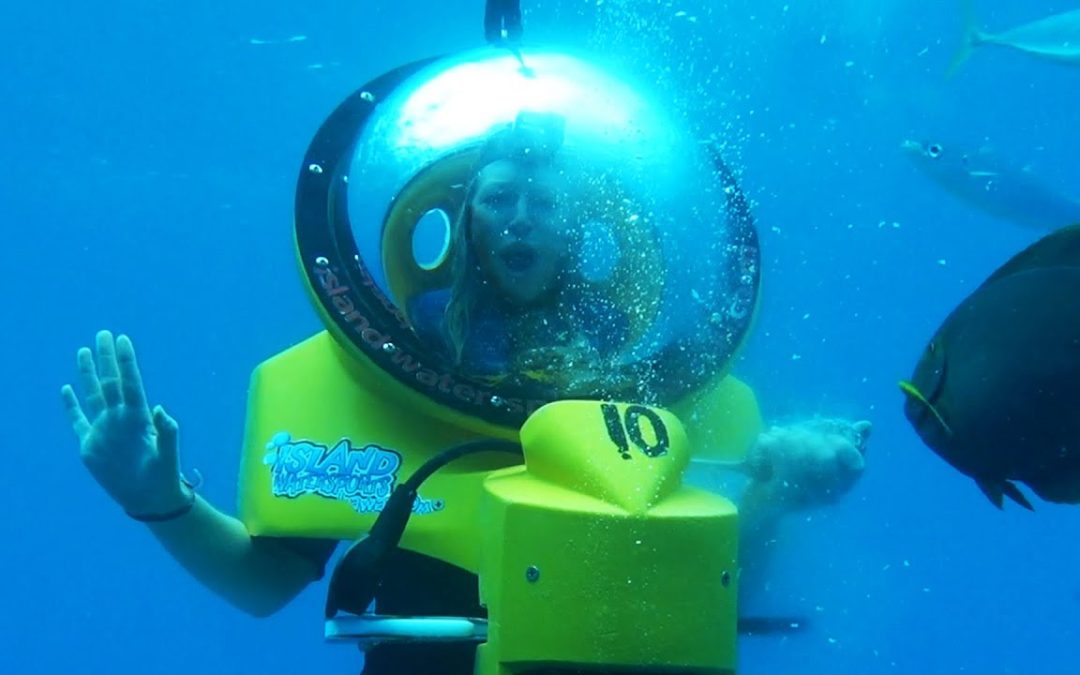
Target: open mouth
(518, 257)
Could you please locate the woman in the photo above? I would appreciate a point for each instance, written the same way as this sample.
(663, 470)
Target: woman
(518, 306)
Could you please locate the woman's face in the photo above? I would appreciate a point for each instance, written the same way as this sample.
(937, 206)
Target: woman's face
(519, 229)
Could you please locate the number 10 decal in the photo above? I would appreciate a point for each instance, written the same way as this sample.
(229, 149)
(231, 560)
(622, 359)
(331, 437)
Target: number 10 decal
(627, 428)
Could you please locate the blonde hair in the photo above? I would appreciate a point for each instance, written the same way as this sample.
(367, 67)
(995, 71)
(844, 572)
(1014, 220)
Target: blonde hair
(464, 294)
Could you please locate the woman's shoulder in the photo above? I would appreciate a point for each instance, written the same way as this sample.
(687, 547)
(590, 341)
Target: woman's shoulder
(433, 300)
(426, 310)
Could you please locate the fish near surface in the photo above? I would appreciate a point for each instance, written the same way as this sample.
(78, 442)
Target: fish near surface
(996, 393)
(982, 179)
(1056, 38)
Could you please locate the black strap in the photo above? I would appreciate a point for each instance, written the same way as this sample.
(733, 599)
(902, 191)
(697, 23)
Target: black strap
(358, 575)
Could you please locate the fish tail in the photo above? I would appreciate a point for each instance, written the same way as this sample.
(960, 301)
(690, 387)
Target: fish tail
(973, 37)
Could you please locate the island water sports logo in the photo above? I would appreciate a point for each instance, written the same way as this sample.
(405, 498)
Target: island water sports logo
(362, 476)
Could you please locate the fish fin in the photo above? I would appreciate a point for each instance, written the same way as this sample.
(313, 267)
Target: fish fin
(972, 38)
(913, 392)
(1013, 493)
(1060, 248)
(992, 491)
(997, 490)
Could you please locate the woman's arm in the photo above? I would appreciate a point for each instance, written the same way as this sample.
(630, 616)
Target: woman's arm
(132, 452)
(798, 467)
(258, 575)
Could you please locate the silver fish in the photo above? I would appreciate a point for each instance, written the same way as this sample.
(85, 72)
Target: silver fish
(1055, 37)
(985, 181)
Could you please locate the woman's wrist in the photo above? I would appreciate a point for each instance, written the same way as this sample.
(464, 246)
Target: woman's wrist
(175, 508)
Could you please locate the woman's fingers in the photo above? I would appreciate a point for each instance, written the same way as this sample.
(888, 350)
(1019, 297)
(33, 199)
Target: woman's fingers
(130, 379)
(108, 370)
(91, 385)
(114, 378)
(79, 423)
(167, 445)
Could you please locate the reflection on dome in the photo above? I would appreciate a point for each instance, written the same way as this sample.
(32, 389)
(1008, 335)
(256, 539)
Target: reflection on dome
(552, 231)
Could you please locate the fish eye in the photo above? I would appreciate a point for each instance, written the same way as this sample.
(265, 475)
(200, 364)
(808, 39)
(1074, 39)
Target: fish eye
(934, 150)
(932, 347)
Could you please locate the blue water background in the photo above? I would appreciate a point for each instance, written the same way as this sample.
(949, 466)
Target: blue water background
(150, 154)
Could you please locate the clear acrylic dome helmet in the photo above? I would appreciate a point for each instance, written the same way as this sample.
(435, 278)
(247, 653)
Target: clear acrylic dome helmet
(661, 236)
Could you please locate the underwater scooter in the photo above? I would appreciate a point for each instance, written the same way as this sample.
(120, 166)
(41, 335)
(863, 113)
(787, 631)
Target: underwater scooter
(567, 502)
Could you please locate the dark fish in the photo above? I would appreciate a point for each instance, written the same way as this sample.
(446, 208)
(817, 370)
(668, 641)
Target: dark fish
(997, 391)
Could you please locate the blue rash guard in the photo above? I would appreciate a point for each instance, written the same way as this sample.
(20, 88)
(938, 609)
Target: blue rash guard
(487, 352)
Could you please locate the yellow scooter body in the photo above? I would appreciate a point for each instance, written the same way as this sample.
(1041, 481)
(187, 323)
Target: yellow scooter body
(595, 555)
(591, 554)
(327, 440)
